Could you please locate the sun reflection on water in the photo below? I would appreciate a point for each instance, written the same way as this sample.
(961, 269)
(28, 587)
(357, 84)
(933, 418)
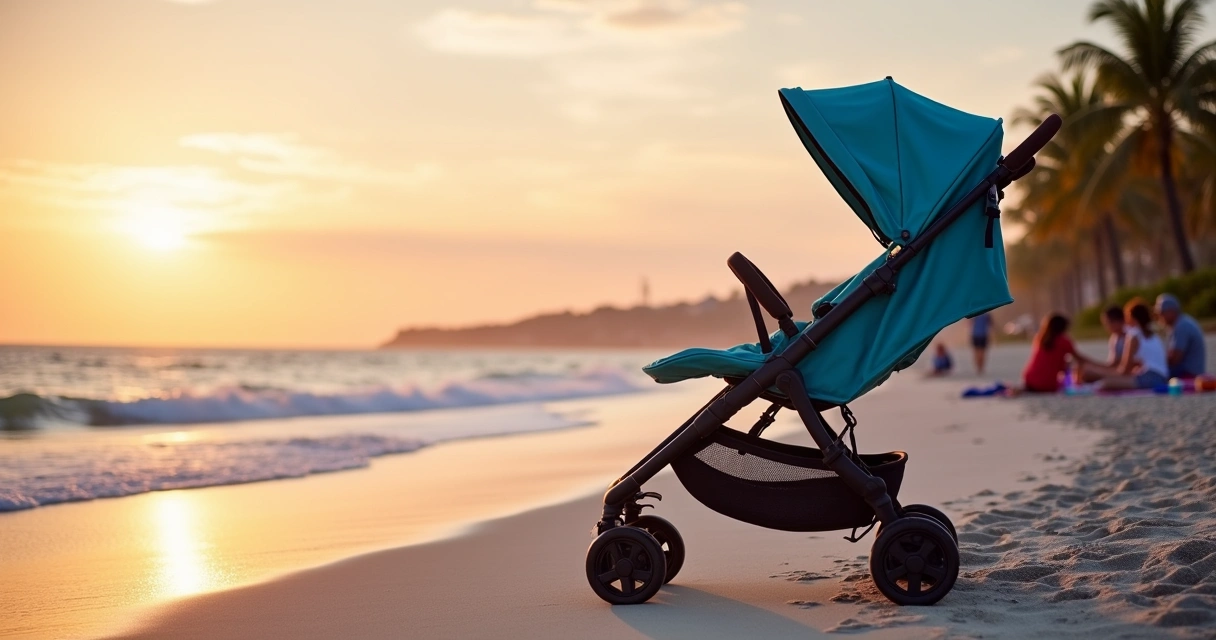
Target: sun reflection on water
(184, 564)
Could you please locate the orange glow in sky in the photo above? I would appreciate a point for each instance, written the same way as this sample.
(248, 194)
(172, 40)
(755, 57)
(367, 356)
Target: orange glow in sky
(284, 173)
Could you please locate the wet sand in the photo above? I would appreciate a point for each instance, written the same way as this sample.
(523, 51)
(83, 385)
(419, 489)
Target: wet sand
(522, 576)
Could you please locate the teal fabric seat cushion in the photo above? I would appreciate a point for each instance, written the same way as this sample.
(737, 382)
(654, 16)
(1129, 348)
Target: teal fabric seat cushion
(736, 362)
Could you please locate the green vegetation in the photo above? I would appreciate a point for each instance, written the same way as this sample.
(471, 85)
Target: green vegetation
(1196, 291)
(1125, 196)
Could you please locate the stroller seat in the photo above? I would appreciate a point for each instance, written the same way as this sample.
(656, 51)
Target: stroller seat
(738, 361)
(698, 362)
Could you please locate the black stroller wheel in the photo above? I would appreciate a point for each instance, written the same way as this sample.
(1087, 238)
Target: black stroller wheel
(668, 538)
(625, 565)
(914, 561)
(925, 511)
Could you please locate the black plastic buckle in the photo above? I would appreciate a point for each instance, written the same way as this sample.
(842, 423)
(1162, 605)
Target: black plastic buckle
(766, 420)
(881, 281)
(993, 210)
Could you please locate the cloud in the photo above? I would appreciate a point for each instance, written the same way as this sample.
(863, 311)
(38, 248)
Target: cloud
(496, 34)
(675, 17)
(100, 186)
(555, 27)
(1002, 55)
(285, 155)
(598, 54)
(182, 199)
(272, 174)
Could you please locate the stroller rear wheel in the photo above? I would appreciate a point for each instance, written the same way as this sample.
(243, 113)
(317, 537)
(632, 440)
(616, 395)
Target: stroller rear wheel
(925, 511)
(914, 561)
(668, 538)
(625, 565)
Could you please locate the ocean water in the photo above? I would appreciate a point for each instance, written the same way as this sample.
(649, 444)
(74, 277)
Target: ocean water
(80, 423)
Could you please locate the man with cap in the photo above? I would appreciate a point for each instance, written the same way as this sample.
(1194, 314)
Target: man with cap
(1185, 350)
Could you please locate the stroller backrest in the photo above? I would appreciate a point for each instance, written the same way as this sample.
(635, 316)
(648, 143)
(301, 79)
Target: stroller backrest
(899, 160)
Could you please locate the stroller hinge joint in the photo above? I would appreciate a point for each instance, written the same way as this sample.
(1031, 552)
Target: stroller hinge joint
(833, 452)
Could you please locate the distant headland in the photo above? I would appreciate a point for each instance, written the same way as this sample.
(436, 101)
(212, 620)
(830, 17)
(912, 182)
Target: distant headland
(710, 322)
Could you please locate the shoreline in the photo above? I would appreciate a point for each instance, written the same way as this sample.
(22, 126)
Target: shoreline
(150, 548)
(522, 506)
(739, 578)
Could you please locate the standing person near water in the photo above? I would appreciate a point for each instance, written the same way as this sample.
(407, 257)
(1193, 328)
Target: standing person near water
(981, 328)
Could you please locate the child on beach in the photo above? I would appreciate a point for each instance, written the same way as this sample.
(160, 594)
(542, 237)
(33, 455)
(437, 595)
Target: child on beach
(1049, 356)
(1114, 322)
(1144, 364)
(943, 364)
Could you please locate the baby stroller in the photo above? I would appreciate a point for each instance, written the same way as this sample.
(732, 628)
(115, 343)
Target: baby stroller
(926, 179)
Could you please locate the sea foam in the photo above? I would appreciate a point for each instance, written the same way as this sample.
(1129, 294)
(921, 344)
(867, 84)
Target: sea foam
(102, 463)
(25, 411)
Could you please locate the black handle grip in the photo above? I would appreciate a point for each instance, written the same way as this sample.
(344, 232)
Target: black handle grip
(1033, 143)
(1021, 173)
(766, 294)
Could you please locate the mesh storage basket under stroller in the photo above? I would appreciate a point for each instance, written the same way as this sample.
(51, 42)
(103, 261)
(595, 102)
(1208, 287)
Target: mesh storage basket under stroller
(780, 486)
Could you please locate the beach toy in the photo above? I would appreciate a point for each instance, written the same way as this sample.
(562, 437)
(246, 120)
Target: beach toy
(1176, 386)
(927, 180)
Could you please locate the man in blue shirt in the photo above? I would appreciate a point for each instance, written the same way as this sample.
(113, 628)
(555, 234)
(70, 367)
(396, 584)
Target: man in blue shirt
(981, 327)
(1185, 349)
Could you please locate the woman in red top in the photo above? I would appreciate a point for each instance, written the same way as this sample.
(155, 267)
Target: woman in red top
(1049, 356)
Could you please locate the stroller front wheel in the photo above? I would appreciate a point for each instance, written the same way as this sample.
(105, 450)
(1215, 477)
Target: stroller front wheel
(668, 538)
(914, 561)
(625, 565)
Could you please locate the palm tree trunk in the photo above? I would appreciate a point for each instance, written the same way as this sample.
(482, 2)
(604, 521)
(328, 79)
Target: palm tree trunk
(1100, 264)
(1116, 253)
(1077, 287)
(1173, 206)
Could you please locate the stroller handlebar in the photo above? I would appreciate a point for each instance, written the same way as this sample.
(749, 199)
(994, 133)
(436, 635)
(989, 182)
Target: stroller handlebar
(1033, 143)
(765, 293)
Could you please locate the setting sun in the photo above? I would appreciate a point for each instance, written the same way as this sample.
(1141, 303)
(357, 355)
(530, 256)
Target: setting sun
(156, 227)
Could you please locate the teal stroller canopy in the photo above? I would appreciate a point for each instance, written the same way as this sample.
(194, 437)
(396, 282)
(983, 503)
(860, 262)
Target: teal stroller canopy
(899, 160)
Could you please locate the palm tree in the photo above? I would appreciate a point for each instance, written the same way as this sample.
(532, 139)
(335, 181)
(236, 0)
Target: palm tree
(1155, 89)
(1061, 200)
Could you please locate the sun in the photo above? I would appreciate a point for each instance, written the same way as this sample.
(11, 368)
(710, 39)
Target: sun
(160, 228)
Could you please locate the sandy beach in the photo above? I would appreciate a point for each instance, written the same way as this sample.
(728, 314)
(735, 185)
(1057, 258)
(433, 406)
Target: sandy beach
(1078, 517)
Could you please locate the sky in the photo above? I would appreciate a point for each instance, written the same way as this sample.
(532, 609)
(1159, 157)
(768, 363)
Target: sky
(320, 173)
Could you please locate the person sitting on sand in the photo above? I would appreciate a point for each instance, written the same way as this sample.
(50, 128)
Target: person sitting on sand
(1143, 365)
(942, 363)
(1113, 321)
(1185, 350)
(1049, 356)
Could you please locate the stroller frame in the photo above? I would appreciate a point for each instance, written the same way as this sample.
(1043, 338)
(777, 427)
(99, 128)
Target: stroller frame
(630, 547)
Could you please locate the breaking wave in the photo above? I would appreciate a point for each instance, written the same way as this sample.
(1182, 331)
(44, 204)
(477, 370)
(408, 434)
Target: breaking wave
(28, 411)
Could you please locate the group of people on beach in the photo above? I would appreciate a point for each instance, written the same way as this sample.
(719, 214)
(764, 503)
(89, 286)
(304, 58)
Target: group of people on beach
(1141, 355)
(1146, 350)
